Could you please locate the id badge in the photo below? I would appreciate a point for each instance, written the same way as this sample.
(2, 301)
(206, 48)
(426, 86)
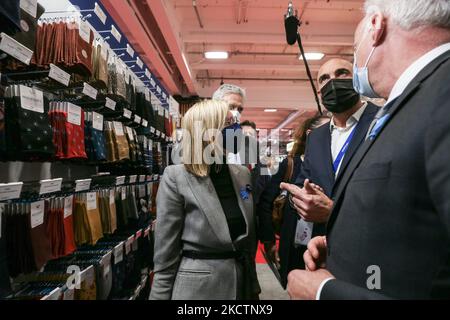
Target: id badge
(303, 233)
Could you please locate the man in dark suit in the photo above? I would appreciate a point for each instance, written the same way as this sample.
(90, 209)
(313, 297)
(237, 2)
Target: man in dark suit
(331, 144)
(388, 235)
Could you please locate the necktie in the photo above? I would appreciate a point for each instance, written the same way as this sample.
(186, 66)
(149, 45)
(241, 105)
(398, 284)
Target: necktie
(379, 121)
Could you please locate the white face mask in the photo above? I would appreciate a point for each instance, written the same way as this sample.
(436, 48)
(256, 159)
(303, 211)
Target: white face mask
(361, 81)
(236, 116)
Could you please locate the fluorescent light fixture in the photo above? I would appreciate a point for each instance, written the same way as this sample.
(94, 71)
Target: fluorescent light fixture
(312, 56)
(270, 110)
(216, 55)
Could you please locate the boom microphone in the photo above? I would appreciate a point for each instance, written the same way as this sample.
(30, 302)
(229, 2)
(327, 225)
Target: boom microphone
(291, 24)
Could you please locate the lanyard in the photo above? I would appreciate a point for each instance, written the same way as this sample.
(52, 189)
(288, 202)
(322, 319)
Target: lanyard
(341, 154)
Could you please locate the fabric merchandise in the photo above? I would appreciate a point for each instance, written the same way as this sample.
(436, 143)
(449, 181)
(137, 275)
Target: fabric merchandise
(94, 140)
(112, 209)
(121, 209)
(100, 65)
(5, 286)
(40, 242)
(21, 126)
(121, 144)
(2, 124)
(55, 231)
(69, 238)
(10, 16)
(111, 146)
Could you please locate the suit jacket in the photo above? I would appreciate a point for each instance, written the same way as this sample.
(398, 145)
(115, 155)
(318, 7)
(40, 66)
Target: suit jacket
(190, 217)
(392, 204)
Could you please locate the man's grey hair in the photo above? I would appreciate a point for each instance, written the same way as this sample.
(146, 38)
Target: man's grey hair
(228, 89)
(411, 14)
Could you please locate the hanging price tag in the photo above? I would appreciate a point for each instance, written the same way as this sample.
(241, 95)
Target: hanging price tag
(158, 89)
(97, 121)
(144, 123)
(139, 63)
(130, 133)
(15, 49)
(152, 130)
(118, 128)
(50, 186)
(137, 119)
(74, 114)
(37, 213)
(130, 51)
(147, 73)
(59, 75)
(90, 91)
(68, 206)
(100, 13)
(110, 104)
(31, 99)
(85, 31)
(91, 201)
(82, 185)
(118, 253)
(128, 244)
(142, 178)
(152, 82)
(29, 6)
(133, 179)
(127, 113)
(120, 180)
(9, 191)
(116, 34)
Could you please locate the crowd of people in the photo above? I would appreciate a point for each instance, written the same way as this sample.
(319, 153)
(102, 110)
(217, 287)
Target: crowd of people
(360, 205)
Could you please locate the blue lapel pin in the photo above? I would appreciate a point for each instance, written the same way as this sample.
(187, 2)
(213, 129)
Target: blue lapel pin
(244, 193)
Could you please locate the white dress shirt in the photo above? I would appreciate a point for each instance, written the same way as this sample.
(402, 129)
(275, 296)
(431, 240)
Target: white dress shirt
(402, 83)
(340, 135)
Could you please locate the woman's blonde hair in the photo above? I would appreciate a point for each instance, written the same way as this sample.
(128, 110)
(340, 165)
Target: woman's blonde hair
(201, 119)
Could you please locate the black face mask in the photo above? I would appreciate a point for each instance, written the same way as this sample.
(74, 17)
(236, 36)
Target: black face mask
(339, 96)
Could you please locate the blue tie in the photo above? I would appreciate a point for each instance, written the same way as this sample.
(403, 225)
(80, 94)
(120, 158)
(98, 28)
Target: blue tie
(379, 121)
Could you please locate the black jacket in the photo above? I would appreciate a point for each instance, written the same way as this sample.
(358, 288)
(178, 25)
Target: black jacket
(392, 204)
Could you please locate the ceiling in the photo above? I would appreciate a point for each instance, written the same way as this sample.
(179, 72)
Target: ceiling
(252, 31)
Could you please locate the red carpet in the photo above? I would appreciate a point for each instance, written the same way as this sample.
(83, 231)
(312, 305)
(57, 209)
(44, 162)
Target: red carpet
(259, 255)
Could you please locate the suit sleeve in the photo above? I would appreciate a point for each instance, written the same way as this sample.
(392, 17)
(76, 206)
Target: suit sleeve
(169, 227)
(305, 171)
(340, 290)
(437, 157)
(266, 232)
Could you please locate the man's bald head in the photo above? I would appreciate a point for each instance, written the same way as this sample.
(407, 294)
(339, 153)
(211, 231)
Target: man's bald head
(334, 68)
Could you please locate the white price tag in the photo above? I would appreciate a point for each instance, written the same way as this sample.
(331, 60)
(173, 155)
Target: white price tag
(82, 185)
(116, 34)
(68, 206)
(147, 232)
(144, 123)
(130, 51)
(147, 73)
(118, 253)
(97, 121)
(152, 82)
(29, 6)
(50, 186)
(112, 196)
(110, 104)
(31, 99)
(9, 191)
(91, 201)
(303, 232)
(37, 213)
(142, 178)
(118, 128)
(152, 130)
(163, 135)
(128, 244)
(137, 119)
(130, 133)
(100, 14)
(90, 91)
(85, 31)
(15, 49)
(139, 62)
(164, 96)
(127, 113)
(133, 179)
(59, 75)
(74, 114)
(120, 180)
(158, 133)
(123, 193)
(158, 89)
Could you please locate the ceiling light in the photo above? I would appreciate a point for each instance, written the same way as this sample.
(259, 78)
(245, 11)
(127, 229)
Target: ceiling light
(270, 110)
(312, 56)
(216, 55)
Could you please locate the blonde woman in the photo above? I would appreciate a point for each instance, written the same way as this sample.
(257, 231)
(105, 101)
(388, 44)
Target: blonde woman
(205, 242)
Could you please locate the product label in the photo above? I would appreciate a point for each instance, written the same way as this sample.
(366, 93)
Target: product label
(153, 83)
(90, 91)
(147, 73)
(130, 133)
(142, 178)
(128, 244)
(15, 49)
(118, 128)
(127, 113)
(59, 75)
(116, 34)
(152, 130)
(85, 31)
(158, 89)
(50, 186)
(97, 121)
(144, 123)
(118, 253)
(133, 179)
(29, 6)
(110, 104)
(91, 201)
(139, 62)
(120, 180)
(37, 213)
(82, 185)
(137, 119)
(31, 99)
(130, 51)
(74, 114)
(9, 191)
(100, 14)
(68, 206)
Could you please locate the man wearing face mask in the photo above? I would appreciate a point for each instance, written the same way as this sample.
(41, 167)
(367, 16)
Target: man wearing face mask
(329, 150)
(388, 233)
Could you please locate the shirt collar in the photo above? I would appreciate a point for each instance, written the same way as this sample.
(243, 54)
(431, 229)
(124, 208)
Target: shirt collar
(413, 70)
(354, 118)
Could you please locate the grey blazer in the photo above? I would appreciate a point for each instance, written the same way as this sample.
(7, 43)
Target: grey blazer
(190, 217)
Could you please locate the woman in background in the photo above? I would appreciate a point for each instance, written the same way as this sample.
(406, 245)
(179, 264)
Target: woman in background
(205, 241)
